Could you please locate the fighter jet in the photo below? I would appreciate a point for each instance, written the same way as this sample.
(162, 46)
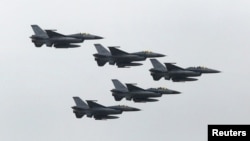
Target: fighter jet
(121, 58)
(177, 74)
(98, 111)
(137, 94)
(58, 40)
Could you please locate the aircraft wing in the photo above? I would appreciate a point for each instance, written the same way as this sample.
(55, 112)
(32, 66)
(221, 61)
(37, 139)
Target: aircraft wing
(133, 88)
(115, 51)
(93, 104)
(65, 45)
(104, 117)
(52, 33)
(170, 67)
(144, 100)
(183, 79)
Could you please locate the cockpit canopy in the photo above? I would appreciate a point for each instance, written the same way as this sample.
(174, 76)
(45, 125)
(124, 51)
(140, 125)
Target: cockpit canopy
(200, 67)
(147, 52)
(84, 33)
(162, 88)
(123, 106)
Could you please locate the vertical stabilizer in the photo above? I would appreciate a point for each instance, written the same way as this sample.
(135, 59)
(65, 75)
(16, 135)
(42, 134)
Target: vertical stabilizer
(119, 86)
(102, 50)
(80, 103)
(39, 32)
(157, 65)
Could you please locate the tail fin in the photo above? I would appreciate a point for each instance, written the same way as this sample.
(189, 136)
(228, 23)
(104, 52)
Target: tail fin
(157, 65)
(119, 86)
(80, 103)
(39, 32)
(101, 50)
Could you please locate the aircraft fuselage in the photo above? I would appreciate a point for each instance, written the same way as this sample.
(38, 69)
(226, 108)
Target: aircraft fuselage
(128, 58)
(104, 111)
(183, 73)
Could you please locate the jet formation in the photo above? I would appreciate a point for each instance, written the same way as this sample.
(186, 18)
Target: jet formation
(58, 40)
(98, 111)
(121, 58)
(137, 94)
(176, 73)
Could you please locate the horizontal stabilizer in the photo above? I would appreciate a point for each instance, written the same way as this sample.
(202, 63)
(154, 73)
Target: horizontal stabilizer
(156, 77)
(101, 62)
(118, 98)
(79, 115)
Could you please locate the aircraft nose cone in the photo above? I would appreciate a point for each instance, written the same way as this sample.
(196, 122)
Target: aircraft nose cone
(213, 71)
(136, 109)
(161, 55)
(216, 71)
(176, 92)
(98, 37)
(152, 55)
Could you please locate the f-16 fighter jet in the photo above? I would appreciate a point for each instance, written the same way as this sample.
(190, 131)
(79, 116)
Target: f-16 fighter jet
(121, 58)
(58, 40)
(177, 74)
(98, 111)
(132, 92)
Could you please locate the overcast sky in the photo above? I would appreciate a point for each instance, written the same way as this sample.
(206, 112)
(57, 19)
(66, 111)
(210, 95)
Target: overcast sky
(37, 84)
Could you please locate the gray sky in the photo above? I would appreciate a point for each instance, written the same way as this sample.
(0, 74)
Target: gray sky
(37, 84)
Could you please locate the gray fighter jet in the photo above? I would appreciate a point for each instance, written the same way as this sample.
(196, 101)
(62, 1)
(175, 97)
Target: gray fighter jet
(132, 92)
(52, 38)
(177, 74)
(98, 111)
(121, 58)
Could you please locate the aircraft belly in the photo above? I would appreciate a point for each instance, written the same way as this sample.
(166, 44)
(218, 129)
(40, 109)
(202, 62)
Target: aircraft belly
(146, 95)
(184, 74)
(65, 40)
(128, 58)
(106, 111)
